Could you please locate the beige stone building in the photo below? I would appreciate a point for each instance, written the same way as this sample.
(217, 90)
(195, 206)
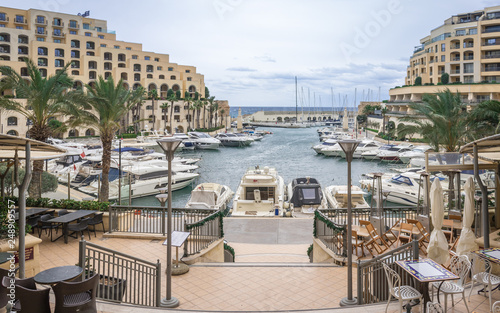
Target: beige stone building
(54, 39)
(467, 47)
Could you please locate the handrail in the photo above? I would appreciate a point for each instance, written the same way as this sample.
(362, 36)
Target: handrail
(203, 233)
(332, 235)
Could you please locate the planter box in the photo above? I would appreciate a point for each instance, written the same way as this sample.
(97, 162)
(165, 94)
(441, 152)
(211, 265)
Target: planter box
(111, 288)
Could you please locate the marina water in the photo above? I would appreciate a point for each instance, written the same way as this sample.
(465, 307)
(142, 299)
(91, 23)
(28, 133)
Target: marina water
(288, 150)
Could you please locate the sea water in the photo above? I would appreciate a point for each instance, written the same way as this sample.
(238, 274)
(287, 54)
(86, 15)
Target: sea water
(288, 150)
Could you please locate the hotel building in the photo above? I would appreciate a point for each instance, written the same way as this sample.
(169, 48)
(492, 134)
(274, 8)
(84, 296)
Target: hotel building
(53, 39)
(467, 47)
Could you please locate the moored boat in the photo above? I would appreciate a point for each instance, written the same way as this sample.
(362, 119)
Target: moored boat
(336, 196)
(305, 195)
(211, 196)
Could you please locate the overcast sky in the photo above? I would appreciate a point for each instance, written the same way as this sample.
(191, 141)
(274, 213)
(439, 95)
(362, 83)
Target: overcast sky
(251, 50)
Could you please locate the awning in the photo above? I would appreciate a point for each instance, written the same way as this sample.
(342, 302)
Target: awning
(488, 147)
(8, 142)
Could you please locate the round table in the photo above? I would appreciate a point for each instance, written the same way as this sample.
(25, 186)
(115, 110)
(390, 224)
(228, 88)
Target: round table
(57, 274)
(5, 256)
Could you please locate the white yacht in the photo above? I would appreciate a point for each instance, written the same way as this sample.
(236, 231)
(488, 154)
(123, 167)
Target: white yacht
(231, 140)
(186, 143)
(372, 154)
(417, 152)
(305, 195)
(364, 146)
(204, 141)
(210, 196)
(392, 154)
(332, 151)
(325, 144)
(260, 193)
(336, 197)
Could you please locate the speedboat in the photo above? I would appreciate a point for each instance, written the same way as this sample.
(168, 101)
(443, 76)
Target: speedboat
(204, 141)
(337, 197)
(392, 154)
(372, 154)
(364, 146)
(260, 193)
(417, 152)
(67, 164)
(186, 143)
(333, 151)
(305, 195)
(210, 196)
(325, 144)
(231, 140)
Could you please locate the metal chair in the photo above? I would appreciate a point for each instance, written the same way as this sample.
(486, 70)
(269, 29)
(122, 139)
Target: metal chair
(72, 297)
(401, 293)
(96, 220)
(434, 307)
(79, 227)
(459, 265)
(43, 224)
(485, 277)
(496, 307)
(62, 212)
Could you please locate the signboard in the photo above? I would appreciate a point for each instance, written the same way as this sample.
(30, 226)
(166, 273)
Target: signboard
(28, 253)
(178, 238)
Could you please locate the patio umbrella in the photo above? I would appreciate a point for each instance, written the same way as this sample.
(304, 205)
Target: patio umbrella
(438, 245)
(467, 243)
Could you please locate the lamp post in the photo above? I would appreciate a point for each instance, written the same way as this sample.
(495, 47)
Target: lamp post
(169, 145)
(349, 146)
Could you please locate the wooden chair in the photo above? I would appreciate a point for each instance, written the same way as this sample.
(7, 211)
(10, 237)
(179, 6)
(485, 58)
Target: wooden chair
(405, 233)
(424, 239)
(356, 243)
(372, 243)
(389, 236)
(448, 232)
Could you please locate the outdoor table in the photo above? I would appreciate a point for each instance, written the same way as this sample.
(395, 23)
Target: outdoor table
(427, 271)
(32, 212)
(415, 231)
(68, 218)
(362, 231)
(58, 274)
(5, 256)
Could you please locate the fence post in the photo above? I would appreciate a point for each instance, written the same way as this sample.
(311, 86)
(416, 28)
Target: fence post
(81, 256)
(158, 283)
(359, 284)
(187, 241)
(415, 249)
(110, 211)
(344, 241)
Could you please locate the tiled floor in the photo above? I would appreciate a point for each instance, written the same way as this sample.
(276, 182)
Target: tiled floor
(264, 278)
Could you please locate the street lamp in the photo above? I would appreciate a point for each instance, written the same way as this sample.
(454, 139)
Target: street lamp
(349, 146)
(168, 144)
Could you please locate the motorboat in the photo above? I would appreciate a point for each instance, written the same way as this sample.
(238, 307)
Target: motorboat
(260, 193)
(248, 138)
(332, 151)
(392, 154)
(364, 146)
(339, 135)
(204, 141)
(67, 164)
(210, 196)
(186, 143)
(417, 152)
(231, 140)
(325, 144)
(372, 154)
(305, 195)
(337, 197)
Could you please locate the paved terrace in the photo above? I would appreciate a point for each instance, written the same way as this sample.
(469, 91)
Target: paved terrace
(268, 276)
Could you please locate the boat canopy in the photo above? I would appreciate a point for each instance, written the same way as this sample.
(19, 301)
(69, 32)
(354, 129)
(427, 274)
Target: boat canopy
(306, 191)
(203, 196)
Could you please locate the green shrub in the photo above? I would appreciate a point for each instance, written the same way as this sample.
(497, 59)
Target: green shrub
(125, 136)
(445, 78)
(230, 249)
(8, 228)
(418, 81)
(310, 250)
(63, 204)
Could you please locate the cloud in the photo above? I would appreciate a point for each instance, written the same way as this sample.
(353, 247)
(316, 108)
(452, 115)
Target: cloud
(240, 69)
(265, 58)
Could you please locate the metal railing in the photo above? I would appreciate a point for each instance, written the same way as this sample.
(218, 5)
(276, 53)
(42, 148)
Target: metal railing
(331, 234)
(151, 219)
(203, 233)
(123, 278)
(372, 282)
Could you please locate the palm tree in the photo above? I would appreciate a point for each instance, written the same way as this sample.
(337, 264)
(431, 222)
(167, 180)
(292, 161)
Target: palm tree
(164, 108)
(441, 120)
(46, 99)
(198, 104)
(383, 112)
(154, 95)
(189, 100)
(205, 103)
(216, 110)
(485, 118)
(109, 102)
(171, 96)
(222, 111)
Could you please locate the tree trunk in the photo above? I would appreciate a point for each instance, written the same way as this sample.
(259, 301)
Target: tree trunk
(35, 188)
(171, 114)
(106, 162)
(204, 117)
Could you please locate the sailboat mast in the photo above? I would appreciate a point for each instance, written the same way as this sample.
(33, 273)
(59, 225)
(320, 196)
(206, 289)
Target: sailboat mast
(296, 102)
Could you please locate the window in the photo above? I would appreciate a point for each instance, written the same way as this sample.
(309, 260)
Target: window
(137, 77)
(443, 58)
(149, 68)
(20, 19)
(162, 77)
(99, 29)
(57, 22)
(172, 77)
(117, 47)
(72, 32)
(108, 56)
(92, 65)
(128, 48)
(57, 32)
(134, 57)
(159, 68)
(75, 73)
(12, 121)
(491, 29)
(88, 34)
(137, 67)
(40, 19)
(157, 59)
(59, 63)
(147, 58)
(443, 47)
(22, 50)
(19, 27)
(121, 65)
(59, 52)
(57, 40)
(24, 71)
(2, 25)
(90, 45)
(43, 72)
(100, 36)
(189, 79)
(40, 30)
(468, 68)
(150, 76)
(473, 31)
(103, 45)
(107, 75)
(86, 26)
(108, 66)
(3, 17)
(121, 57)
(461, 32)
(170, 69)
(92, 75)
(188, 71)
(75, 44)
(42, 51)
(75, 64)
(73, 24)
(90, 53)
(40, 39)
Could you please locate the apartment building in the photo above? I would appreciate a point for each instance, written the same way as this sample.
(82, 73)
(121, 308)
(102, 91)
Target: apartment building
(54, 39)
(467, 47)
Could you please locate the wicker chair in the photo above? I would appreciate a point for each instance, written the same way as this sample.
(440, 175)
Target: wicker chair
(460, 266)
(32, 300)
(44, 224)
(3, 290)
(96, 220)
(485, 277)
(72, 297)
(401, 293)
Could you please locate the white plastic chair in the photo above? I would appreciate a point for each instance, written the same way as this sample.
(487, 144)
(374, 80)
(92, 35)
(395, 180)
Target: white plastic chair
(434, 307)
(460, 266)
(401, 293)
(485, 277)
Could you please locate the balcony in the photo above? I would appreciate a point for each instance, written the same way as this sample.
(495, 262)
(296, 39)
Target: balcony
(455, 71)
(57, 24)
(40, 22)
(19, 21)
(59, 35)
(491, 69)
(455, 47)
(4, 19)
(41, 33)
(74, 26)
(468, 45)
(455, 59)
(469, 57)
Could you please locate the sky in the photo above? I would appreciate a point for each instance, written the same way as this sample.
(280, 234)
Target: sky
(250, 51)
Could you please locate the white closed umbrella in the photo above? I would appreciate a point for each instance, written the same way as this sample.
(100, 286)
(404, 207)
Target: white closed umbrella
(438, 245)
(467, 243)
